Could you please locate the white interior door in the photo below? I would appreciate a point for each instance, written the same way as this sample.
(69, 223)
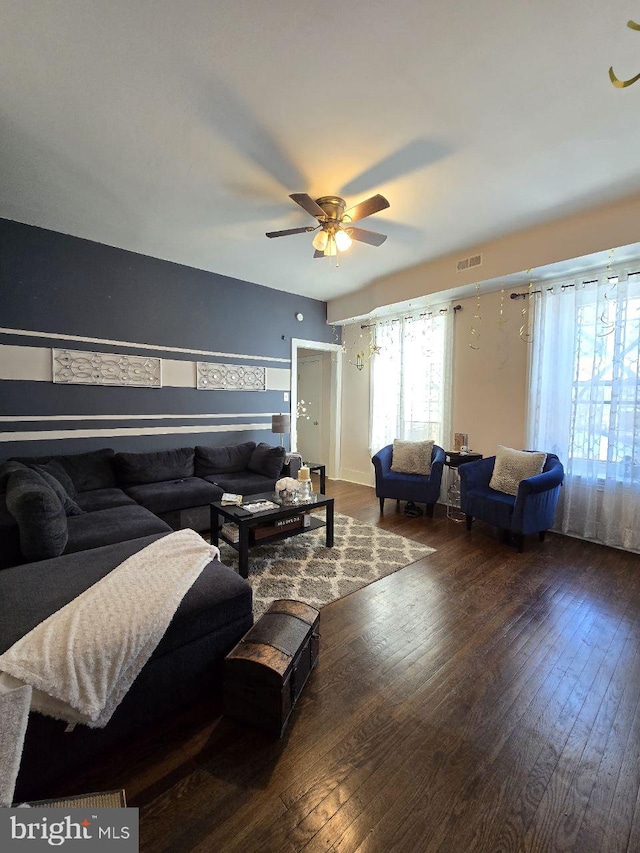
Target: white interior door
(311, 430)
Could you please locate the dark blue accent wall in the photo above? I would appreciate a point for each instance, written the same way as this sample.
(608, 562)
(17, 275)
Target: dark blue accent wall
(62, 285)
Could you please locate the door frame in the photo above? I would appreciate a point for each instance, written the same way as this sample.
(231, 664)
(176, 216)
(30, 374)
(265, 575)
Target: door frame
(335, 400)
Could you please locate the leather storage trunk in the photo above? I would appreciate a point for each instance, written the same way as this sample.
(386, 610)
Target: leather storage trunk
(265, 673)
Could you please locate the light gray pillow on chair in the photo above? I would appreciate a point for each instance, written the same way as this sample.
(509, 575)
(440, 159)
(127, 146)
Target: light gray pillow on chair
(512, 466)
(411, 457)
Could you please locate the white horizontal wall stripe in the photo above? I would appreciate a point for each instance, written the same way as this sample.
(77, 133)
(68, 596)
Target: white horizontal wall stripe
(27, 333)
(184, 417)
(178, 374)
(278, 378)
(27, 363)
(39, 435)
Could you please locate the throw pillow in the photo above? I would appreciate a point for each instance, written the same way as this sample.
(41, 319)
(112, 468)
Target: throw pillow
(68, 504)
(41, 520)
(412, 457)
(7, 470)
(57, 470)
(512, 466)
(267, 460)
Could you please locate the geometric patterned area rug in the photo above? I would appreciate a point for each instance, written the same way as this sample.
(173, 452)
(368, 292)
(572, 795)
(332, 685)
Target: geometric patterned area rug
(302, 567)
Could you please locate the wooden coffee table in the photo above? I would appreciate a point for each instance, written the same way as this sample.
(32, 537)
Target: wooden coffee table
(246, 521)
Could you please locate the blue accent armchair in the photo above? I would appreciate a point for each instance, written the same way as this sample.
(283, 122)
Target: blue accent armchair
(532, 510)
(418, 488)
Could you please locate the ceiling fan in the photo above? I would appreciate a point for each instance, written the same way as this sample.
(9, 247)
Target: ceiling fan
(335, 231)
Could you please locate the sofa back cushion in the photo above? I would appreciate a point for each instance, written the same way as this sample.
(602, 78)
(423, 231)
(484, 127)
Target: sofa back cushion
(39, 514)
(92, 470)
(88, 471)
(135, 469)
(267, 460)
(223, 460)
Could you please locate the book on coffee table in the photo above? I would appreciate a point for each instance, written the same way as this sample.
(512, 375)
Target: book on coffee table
(229, 499)
(260, 506)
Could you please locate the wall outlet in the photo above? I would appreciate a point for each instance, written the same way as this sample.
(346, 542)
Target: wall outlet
(286, 396)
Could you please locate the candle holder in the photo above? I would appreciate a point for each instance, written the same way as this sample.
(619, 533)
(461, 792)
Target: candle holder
(304, 490)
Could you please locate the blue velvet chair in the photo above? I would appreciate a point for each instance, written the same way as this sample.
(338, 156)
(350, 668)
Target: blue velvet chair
(418, 488)
(532, 510)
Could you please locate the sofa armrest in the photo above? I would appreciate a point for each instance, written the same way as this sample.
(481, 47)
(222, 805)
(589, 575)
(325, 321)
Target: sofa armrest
(437, 463)
(541, 482)
(382, 460)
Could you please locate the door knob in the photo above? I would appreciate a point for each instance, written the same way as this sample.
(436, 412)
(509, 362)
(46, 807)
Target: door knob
(315, 423)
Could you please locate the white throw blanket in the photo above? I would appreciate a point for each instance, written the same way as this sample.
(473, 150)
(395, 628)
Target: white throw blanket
(82, 660)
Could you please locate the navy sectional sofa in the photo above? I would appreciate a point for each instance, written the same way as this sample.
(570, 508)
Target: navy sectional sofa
(110, 497)
(67, 521)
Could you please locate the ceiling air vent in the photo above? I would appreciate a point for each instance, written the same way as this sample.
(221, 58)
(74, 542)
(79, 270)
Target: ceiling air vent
(469, 263)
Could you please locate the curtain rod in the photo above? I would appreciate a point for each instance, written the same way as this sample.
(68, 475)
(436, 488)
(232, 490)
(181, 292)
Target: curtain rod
(563, 286)
(456, 308)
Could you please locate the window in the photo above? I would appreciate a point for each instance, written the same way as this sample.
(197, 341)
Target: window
(585, 402)
(410, 379)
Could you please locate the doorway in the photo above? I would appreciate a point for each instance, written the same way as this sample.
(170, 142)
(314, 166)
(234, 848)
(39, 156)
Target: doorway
(316, 379)
(314, 368)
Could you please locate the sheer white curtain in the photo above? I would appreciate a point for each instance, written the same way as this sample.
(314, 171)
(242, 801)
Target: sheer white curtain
(411, 379)
(585, 403)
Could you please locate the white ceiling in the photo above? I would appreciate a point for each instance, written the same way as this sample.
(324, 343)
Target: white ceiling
(178, 129)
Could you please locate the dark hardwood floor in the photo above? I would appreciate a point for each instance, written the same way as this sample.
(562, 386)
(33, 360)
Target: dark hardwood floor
(477, 700)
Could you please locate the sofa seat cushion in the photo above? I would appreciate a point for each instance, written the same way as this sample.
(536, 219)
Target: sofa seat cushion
(36, 590)
(174, 494)
(106, 526)
(499, 506)
(223, 460)
(243, 483)
(135, 469)
(103, 499)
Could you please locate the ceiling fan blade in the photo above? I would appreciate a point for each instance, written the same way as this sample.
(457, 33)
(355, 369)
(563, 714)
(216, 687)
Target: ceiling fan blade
(307, 203)
(290, 231)
(373, 238)
(318, 254)
(366, 208)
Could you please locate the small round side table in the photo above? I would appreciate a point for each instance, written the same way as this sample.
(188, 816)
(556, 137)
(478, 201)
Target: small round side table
(453, 459)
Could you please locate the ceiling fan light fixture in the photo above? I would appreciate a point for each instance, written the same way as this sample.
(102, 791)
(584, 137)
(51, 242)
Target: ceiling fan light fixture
(320, 241)
(343, 240)
(331, 250)
(334, 224)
